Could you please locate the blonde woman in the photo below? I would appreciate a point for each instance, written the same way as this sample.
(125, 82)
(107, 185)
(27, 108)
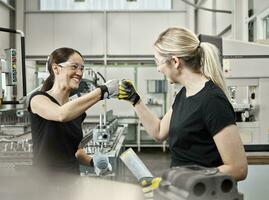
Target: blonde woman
(200, 125)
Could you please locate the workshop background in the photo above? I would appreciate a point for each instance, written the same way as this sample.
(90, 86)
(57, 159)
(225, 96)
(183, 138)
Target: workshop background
(116, 39)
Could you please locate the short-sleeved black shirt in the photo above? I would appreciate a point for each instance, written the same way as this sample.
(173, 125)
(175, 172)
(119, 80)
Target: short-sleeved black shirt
(194, 122)
(55, 143)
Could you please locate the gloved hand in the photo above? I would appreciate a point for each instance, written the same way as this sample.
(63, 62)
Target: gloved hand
(128, 92)
(101, 164)
(150, 183)
(110, 89)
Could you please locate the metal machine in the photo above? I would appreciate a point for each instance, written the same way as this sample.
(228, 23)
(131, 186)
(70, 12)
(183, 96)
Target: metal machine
(245, 66)
(8, 65)
(15, 144)
(106, 138)
(195, 182)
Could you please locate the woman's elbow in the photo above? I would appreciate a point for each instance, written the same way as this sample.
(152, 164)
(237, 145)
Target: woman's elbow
(242, 172)
(159, 138)
(61, 118)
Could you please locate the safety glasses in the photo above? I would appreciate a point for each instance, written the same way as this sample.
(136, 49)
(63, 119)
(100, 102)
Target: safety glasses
(158, 63)
(72, 66)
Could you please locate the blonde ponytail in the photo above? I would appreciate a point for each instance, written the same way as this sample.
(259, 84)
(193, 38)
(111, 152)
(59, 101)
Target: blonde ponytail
(211, 67)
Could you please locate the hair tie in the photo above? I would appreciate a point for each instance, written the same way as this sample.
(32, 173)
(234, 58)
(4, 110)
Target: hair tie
(199, 45)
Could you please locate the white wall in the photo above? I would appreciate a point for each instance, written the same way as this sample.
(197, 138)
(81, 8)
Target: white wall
(82, 31)
(238, 18)
(224, 20)
(98, 33)
(178, 5)
(205, 22)
(133, 33)
(256, 184)
(259, 5)
(214, 23)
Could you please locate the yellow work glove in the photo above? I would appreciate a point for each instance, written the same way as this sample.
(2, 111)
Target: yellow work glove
(150, 184)
(128, 92)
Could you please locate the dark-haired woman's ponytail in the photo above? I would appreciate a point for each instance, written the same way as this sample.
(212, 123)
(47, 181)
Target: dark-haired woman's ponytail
(47, 85)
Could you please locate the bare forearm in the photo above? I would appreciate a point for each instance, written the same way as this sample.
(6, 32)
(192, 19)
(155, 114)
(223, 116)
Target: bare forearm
(238, 172)
(73, 109)
(232, 152)
(149, 120)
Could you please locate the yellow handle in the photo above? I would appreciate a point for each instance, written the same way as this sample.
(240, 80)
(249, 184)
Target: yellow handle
(149, 186)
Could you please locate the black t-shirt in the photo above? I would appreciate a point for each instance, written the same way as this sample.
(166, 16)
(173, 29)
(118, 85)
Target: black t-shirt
(55, 143)
(194, 122)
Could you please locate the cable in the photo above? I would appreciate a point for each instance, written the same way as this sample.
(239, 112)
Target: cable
(101, 76)
(207, 9)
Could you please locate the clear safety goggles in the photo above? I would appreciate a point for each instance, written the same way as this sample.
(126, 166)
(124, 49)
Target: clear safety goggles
(72, 66)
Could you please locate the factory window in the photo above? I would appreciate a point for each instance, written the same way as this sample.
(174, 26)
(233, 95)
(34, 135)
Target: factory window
(6, 1)
(105, 5)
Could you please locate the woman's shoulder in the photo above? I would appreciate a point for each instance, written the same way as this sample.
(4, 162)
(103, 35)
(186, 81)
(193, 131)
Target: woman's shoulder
(43, 93)
(213, 91)
(214, 96)
(38, 93)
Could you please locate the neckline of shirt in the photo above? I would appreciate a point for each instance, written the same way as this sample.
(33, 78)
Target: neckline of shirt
(197, 93)
(52, 98)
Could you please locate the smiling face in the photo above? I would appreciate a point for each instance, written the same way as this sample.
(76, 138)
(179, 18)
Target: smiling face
(71, 71)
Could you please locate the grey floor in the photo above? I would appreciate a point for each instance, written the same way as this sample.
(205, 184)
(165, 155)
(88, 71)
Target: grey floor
(155, 159)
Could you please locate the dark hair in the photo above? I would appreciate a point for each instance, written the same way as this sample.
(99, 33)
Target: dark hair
(57, 56)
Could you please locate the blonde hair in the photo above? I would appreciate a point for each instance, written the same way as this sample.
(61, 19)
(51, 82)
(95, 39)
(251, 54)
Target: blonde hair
(199, 57)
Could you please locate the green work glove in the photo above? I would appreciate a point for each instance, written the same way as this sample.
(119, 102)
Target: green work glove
(128, 92)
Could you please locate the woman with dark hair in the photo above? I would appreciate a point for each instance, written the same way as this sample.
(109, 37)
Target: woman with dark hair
(56, 121)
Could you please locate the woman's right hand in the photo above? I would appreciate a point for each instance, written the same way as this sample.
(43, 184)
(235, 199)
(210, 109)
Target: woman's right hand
(110, 89)
(113, 87)
(128, 92)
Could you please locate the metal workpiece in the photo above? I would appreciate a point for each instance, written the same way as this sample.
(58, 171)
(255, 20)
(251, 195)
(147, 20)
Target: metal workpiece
(196, 182)
(106, 138)
(112, 149)
(102, 133)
